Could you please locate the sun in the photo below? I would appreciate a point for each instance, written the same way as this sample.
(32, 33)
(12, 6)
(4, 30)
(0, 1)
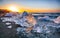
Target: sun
(13, 8)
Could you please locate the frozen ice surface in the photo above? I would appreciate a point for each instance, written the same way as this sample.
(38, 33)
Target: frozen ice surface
(47, 32)
(43, 29)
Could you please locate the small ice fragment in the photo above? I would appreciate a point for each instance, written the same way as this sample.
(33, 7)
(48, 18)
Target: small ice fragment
(8, 23)
(9, 27)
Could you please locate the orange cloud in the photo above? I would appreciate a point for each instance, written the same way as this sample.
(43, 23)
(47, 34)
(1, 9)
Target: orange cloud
(21, 9)
(40, 10)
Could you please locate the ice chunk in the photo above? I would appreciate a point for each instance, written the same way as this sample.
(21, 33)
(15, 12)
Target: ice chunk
(9, 27)
(8, 23)
(39, 30)
(57, 20)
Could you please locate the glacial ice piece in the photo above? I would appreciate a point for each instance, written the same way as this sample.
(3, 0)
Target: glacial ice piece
(9, 14)
(41, 29)
(45, 18)
(9, 26)
(57, 20)
(8, 23)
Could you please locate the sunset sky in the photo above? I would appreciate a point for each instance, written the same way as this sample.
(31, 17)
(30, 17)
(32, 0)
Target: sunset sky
(32, 5)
